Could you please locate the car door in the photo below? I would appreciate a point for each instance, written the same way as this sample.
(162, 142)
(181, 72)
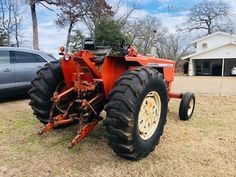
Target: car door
(26, 66)
(7, 73)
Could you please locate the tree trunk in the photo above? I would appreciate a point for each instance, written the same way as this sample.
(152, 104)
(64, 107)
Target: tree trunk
(8, 39)
(209, 30)
(68, 37)
(35, 26)
(16, 36)
(17, 23)
(9, 25)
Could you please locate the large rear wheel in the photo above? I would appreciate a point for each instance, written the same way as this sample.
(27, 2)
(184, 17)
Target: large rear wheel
(43, 86)
(136, 113)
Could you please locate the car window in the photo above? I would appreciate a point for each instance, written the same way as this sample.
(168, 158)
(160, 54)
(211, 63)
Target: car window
(25, 57)
(39, 58)
(50, 55)
(4, 57)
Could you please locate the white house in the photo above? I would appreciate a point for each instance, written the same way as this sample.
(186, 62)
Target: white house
(215, 55)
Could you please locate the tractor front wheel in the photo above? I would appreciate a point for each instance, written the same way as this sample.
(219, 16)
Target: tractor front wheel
(136, 113)
(187, 106)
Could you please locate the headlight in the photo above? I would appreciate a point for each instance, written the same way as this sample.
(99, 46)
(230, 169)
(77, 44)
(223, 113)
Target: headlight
(67, 57)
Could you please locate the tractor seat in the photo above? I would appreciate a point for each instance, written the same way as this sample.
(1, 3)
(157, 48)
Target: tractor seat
(100, 52)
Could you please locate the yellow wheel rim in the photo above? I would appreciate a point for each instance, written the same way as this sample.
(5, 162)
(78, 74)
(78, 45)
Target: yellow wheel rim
(149, 115)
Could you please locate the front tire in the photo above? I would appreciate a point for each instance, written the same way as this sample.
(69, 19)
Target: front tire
(126, 135)
(187, 106)
(43, 87)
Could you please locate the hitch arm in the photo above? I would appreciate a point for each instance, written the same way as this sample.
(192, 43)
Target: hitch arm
(82, 133)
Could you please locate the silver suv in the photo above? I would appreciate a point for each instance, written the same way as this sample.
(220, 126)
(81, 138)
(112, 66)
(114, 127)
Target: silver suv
(18, 67)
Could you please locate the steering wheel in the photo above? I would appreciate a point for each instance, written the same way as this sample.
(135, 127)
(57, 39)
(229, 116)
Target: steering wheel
(119, 47)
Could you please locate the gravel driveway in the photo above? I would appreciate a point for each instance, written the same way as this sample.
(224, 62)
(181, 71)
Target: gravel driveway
(223, 86)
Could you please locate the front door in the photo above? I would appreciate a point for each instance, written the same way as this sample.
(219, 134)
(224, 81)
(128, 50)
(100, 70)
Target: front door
(7, 73)
(26, 66)
(206, 68)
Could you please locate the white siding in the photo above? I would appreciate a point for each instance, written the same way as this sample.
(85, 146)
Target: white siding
(214, 41)
(227, 51)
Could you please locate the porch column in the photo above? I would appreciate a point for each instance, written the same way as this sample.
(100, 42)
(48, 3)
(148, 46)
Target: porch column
(223, 67)
(190, 68)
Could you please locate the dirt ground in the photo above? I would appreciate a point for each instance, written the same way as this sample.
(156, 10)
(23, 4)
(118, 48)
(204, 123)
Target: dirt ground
(222, 86)
(203, 146)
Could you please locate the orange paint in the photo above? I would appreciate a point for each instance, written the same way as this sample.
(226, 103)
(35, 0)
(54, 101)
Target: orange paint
(113, 67)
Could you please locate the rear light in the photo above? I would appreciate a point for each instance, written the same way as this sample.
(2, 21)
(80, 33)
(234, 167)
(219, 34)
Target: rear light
(67, 57)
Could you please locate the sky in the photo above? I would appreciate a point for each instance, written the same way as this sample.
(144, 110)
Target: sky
(170, 12)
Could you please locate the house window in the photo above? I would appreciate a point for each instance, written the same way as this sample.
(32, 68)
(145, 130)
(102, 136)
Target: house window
(204, 45)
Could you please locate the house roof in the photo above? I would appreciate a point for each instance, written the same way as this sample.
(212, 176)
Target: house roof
(211, 35)
(195, 54)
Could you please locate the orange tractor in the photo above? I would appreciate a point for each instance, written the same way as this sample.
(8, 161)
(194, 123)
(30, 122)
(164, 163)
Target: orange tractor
(133, 89)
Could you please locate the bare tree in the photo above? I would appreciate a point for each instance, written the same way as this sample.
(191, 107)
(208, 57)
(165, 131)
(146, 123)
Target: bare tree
(18, 20)
(100, 9)
(11, 19)
(210, 16)
(71, 12)
(169, 45)
(122, 13)
(32, 4)
(176, 46)
(97, 10)
(140, 33)
(90, 12)
(6, 18)
(3, 38)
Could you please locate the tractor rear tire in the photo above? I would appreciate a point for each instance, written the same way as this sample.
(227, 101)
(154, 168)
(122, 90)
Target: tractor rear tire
(43, 87)
(129, 102)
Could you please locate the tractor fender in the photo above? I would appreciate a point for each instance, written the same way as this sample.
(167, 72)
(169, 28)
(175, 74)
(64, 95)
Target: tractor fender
(114, 67)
